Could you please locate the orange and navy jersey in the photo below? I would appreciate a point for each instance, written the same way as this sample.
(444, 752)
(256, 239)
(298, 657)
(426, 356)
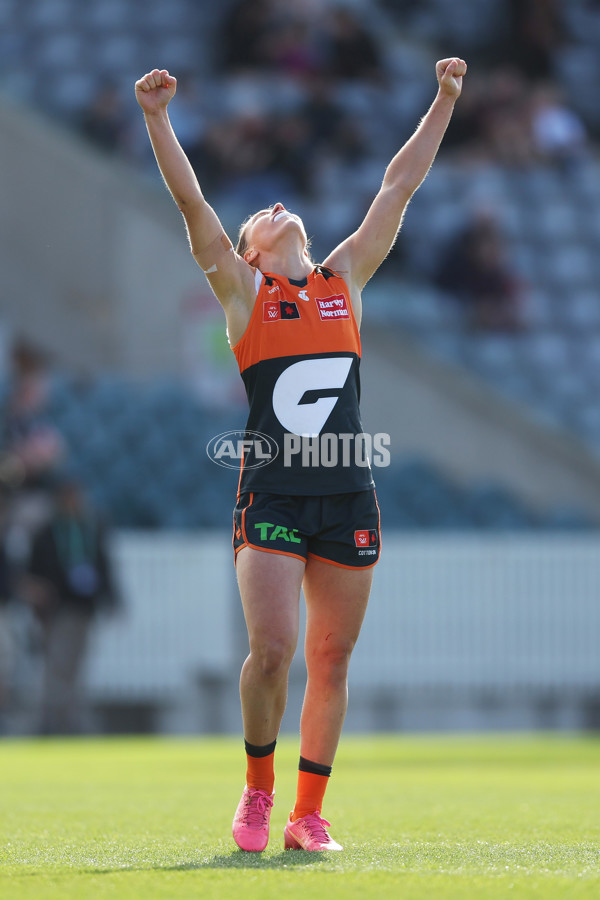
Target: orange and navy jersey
(299, 359)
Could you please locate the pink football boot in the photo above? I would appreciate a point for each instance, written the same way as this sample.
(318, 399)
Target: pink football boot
(251, 820)
(309, 833)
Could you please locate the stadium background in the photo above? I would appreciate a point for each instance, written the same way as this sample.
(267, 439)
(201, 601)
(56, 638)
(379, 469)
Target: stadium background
(484, 611)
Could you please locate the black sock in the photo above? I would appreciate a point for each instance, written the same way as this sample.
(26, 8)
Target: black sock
(259, 752)
(306, 765)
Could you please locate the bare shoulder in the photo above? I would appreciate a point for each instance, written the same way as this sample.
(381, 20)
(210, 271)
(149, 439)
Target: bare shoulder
(343, 260)
(230, 276)
(232, 280)
(235, 285)
(340, 262)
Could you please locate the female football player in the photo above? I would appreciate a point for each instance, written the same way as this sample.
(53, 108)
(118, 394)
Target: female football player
(308, 519)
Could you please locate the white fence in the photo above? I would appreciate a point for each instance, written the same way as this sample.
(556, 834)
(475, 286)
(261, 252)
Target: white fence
(512, 614)
(177, 617)
(487, 611)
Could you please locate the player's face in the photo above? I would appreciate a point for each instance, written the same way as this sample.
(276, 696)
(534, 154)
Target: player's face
(267, 226)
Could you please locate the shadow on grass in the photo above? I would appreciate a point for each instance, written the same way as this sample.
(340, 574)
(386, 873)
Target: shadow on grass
(236, 859)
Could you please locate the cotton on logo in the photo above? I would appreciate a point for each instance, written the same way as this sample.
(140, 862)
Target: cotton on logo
(320, 375)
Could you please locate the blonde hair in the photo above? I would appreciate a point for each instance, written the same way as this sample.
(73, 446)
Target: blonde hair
(242, 241)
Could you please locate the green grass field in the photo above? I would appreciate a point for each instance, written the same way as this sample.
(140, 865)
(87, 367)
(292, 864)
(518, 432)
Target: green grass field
(420, 817)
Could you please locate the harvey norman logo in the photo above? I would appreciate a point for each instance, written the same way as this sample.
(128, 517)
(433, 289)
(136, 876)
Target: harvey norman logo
(334, 307)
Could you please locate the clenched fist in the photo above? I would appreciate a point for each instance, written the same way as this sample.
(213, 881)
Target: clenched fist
(450, 75)
(155, 89)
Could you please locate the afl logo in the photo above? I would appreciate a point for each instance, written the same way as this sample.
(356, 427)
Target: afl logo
(231, 448)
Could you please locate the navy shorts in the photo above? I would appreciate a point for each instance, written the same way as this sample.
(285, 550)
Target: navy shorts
(341, 529)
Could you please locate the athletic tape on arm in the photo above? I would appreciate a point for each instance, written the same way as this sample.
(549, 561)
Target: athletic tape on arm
(225, 243)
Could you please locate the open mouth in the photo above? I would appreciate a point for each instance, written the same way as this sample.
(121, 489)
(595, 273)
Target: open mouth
(280, 214)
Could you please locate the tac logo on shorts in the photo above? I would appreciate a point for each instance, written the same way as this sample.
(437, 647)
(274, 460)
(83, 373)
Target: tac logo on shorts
(366, 538)
(334, 307)
(276, 310)
(271, 532)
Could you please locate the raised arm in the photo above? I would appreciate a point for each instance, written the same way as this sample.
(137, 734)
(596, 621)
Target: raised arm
(230, 277)
(360, 255)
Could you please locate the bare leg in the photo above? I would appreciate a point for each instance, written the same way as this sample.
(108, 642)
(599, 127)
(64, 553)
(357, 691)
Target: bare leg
(336, 601)
(270, 590)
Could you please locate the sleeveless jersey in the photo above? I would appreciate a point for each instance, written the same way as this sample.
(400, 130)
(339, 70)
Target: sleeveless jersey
(299, 359)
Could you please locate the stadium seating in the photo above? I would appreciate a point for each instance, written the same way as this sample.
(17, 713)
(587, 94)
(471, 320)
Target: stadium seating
(141, 450)
(551, 366)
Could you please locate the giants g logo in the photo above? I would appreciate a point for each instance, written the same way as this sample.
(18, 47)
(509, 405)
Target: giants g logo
(305, 393)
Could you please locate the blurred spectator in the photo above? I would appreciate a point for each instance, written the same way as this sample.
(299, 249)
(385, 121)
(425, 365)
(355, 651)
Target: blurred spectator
(32, 449)
(69, 580)
(245, 35)
(255, 158)
(331, 131)
(240, 152)
(536, 32)
(105, 122)
(293, 50)
(292, 158)
(559, 135)
(265, 34)
(351, 50)
(474, 270)
(494, 123)
(506, 119)
(466, 130)
(321, 111)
